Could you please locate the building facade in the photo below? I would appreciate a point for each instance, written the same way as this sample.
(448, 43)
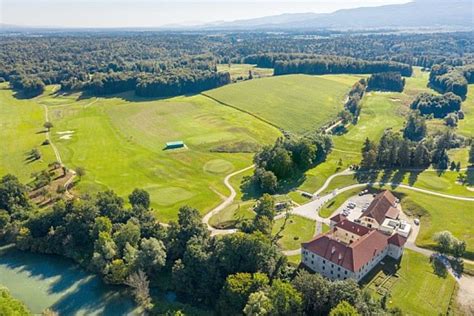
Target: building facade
(350, 250)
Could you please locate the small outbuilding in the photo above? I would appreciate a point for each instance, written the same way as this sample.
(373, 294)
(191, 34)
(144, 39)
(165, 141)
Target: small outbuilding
(175, 144)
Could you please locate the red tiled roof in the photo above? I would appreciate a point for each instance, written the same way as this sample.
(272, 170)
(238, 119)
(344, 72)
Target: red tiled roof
(337, 218)
(392, 213)
(380, 206)
(397, 240)
(352, 227)
(349, 256)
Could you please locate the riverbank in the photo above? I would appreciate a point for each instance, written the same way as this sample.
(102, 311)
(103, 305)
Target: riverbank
(49, 281)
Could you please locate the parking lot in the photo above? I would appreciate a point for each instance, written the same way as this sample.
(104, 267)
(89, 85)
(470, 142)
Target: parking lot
(355, 206)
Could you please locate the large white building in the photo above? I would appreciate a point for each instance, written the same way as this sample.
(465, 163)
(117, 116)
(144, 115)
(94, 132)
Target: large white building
(349, 250)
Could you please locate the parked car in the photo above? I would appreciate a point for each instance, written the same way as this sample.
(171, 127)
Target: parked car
(416, 221)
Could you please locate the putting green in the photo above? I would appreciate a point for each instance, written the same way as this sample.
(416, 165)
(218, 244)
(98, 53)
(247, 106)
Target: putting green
(218, 166)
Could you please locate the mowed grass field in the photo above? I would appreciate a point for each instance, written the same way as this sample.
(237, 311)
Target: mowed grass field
(381, 111)
(466, 126)
(120, 142)
(440, 214)
(21, 130)
(296, 103)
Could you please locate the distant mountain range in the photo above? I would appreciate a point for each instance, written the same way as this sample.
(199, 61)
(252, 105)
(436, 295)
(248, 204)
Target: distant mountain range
(418, 14)
(454, 14)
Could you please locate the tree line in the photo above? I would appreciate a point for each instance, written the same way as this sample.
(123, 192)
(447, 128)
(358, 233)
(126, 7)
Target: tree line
(354, 98)
(319, 65)
(386, 81)
(72, 59)
(170, 83)
(395, 151)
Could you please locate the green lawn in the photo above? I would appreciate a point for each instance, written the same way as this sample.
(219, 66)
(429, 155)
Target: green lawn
(232, 214)
(466, 126)
(297, 230)
(443, 214)
(415, 288)
(390, 109)
(21, 130)
(120, 141)
(296, 103)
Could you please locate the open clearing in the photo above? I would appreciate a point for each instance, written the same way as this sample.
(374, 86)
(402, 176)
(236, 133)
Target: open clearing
(296, 103)
(241, 71)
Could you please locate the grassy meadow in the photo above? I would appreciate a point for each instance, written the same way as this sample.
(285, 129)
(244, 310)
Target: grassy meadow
(297, 103)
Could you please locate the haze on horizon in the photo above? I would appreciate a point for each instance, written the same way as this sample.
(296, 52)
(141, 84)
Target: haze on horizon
(149, 13)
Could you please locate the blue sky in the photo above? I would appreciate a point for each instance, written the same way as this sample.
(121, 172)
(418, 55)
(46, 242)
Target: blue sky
(154, 13)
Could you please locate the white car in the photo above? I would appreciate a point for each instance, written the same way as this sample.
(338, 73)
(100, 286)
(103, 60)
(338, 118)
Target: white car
(416, 221)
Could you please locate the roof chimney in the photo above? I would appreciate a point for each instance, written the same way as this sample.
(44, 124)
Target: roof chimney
(340, 256)
(333, 249)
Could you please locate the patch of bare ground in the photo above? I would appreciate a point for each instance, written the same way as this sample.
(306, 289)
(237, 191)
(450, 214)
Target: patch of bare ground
(465, 295)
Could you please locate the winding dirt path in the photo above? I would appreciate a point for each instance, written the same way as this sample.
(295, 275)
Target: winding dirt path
(228, 201)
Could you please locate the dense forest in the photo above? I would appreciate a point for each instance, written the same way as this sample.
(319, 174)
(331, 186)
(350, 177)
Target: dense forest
(320, 65)
(386, 81)
(164, 64)
(241, 273)
(437, 105)
(446, 78)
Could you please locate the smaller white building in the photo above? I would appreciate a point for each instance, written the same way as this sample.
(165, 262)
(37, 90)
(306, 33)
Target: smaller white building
(390, 226)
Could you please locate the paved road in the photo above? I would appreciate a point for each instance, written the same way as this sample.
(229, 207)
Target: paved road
(228, 201)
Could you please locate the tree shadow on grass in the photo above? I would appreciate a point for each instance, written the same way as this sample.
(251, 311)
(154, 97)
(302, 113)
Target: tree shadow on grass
(386, 176)
(413, 177)
(470, 176)
(397, 178)
(366, 176)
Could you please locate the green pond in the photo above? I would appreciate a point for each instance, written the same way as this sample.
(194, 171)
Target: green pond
(47, 281)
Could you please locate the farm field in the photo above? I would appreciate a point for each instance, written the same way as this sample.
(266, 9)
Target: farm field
(21, 130)
(416, 289)
(297, 103)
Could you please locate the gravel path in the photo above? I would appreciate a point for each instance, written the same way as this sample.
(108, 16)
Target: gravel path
(228, 201)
